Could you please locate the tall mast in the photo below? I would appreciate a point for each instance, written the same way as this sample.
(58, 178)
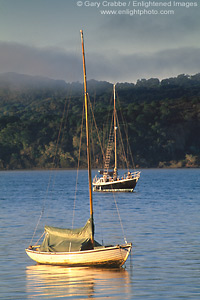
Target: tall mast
(87, 133)
(115, 133)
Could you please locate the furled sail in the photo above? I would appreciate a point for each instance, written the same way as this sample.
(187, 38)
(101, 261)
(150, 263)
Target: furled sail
(67, 240)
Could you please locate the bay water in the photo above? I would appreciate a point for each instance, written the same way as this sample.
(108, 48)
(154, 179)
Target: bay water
(161, 218)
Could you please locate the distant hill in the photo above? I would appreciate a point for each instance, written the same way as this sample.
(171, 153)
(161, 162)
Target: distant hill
(162, 119)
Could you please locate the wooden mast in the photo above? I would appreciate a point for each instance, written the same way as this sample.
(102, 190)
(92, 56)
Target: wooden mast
(88, 135)
(115, 133)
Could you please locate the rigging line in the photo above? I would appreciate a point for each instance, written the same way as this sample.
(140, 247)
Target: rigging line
(122, 144)
(43, 206)
(126, 133)
(93, 119)
(91, 134)
(39, 239)
(127, 139)
(50, 177)
(131, 155)
(55, 163)
(120, 220)
(96, 127)
(60, 130)
(64, 126)
(73, 215)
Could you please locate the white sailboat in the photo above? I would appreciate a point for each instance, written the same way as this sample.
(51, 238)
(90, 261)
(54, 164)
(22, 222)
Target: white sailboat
(110, 181)
(77, 247)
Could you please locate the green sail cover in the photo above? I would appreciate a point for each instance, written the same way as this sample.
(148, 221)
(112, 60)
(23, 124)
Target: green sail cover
(67, 240)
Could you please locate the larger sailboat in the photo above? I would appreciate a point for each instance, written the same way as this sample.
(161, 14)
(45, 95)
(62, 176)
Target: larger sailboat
(110, 181)
(77, 247)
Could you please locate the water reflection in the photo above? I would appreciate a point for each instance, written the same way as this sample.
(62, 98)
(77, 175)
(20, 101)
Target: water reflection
(77, 283)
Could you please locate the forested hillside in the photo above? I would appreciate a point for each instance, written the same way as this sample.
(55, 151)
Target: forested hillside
(162, 119)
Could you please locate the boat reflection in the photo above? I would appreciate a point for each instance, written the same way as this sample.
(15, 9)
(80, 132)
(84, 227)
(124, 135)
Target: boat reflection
(47, 281)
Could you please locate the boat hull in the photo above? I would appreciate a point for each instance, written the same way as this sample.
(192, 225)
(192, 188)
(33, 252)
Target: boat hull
(126, 185)
(112, 256)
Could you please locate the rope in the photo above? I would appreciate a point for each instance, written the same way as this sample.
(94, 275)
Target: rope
(126, 133)
(54, 163)
(43, 207)
(37, 225)
(120, 220)
(122, 145)
(96, 127)
(39, 239)
(73, 215)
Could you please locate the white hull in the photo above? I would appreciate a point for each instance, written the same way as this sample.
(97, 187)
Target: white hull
(112, 256)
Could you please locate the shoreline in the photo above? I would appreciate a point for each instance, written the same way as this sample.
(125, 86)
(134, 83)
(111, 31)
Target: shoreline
(96, 169)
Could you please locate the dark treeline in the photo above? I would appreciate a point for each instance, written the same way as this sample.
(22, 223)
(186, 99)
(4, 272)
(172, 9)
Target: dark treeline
(162, 119)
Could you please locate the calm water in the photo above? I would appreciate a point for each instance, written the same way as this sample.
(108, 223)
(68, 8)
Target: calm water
(161, 218)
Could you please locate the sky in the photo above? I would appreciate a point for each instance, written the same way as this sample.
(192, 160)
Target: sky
(124, 40)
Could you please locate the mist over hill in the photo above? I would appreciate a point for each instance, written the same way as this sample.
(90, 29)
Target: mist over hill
(15, 81)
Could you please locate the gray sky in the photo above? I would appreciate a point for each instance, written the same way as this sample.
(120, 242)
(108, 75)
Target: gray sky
(142, 39)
